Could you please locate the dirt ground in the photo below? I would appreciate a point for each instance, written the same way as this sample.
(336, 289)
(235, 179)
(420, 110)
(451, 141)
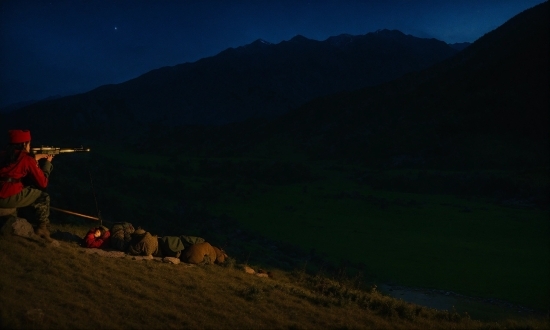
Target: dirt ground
(479, 308)
(420, 297)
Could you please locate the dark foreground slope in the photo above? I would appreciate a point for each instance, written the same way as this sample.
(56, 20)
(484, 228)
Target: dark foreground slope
(486, 107)
(44, 287)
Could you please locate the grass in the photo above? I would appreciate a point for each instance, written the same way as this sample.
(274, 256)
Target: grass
(462, 243)
(45, 287)
(414, 239)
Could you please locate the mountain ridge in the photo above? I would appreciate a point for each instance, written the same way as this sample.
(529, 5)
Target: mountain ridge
(485, 107)
(255, 80)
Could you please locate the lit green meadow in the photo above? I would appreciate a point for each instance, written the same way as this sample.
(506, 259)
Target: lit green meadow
(421, 240)
(467, 245)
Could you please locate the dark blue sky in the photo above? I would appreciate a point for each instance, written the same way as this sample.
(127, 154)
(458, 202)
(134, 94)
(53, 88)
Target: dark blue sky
(66, 47)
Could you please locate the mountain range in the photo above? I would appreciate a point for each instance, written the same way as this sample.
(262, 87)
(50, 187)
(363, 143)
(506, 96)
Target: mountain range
(384, 98)
(256, 80)
(485, 107)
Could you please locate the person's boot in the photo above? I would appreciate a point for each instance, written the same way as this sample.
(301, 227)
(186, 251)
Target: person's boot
(42, 231)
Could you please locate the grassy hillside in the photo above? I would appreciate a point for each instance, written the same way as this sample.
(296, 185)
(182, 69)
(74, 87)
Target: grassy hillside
(437, 181)
(433, 241)
(45, 287)
(477, 233)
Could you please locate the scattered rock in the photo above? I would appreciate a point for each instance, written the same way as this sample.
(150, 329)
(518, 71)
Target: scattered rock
(149, 257)
(54, 243)
(19, 227)
(172, 260)
(121, 254)
(104, 253)
(261, 271)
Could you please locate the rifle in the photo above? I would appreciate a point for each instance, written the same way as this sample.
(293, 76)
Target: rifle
(56, 151)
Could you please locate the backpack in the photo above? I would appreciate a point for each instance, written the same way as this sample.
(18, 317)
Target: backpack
(121, 234)
(191, 240)
(171, 246)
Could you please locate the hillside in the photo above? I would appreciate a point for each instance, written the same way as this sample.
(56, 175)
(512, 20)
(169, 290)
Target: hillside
(436, 181)
(45, 287)
(258, 80)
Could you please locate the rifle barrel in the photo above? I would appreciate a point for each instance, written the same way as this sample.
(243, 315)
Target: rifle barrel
(56, 150)
(74, 213)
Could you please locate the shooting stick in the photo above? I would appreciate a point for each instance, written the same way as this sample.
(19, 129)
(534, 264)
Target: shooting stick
(74, 213)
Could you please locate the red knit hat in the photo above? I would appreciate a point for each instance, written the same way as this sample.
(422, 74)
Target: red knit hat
(19, 136)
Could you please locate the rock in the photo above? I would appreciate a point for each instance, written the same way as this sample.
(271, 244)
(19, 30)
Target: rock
(149, 257)
(172, 260)
(19, 227)
(103, 253)
(262, 275)
(249, 270)
(261, 271)
(54, 243)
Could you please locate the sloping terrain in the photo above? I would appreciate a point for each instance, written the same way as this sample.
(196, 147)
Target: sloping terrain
(438, 179)
(45, 287)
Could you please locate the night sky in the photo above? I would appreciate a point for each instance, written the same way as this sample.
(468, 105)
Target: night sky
(66, 47)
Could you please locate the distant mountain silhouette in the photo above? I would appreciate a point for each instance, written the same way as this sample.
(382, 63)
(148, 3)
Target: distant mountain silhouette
(460, 45)
(258, 80)
(486, 107)
(19, 105)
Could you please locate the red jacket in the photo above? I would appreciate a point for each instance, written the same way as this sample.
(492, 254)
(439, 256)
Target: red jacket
(90, 241)
(25, 165)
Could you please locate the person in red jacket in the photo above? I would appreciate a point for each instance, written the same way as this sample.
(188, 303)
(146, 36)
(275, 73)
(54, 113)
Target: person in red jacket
(97, 237)
(22, 180)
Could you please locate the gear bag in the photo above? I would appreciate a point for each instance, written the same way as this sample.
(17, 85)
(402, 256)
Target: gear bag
(171, 246)
(121, 234)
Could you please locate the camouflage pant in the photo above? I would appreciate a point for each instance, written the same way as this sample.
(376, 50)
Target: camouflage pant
(30, 203)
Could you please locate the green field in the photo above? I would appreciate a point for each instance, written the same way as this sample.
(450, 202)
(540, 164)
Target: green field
(462, 243)
(429, 241)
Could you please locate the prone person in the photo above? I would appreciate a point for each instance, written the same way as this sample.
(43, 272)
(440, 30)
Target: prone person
(97, 237)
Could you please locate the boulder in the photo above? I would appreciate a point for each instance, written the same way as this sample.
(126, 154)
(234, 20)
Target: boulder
(172, 260)
(19, 227)
(249, 270)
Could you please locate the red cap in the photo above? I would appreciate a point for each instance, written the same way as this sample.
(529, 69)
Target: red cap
(19, 136)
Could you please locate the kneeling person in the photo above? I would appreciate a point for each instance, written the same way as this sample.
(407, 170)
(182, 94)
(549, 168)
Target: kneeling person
(23, 181)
